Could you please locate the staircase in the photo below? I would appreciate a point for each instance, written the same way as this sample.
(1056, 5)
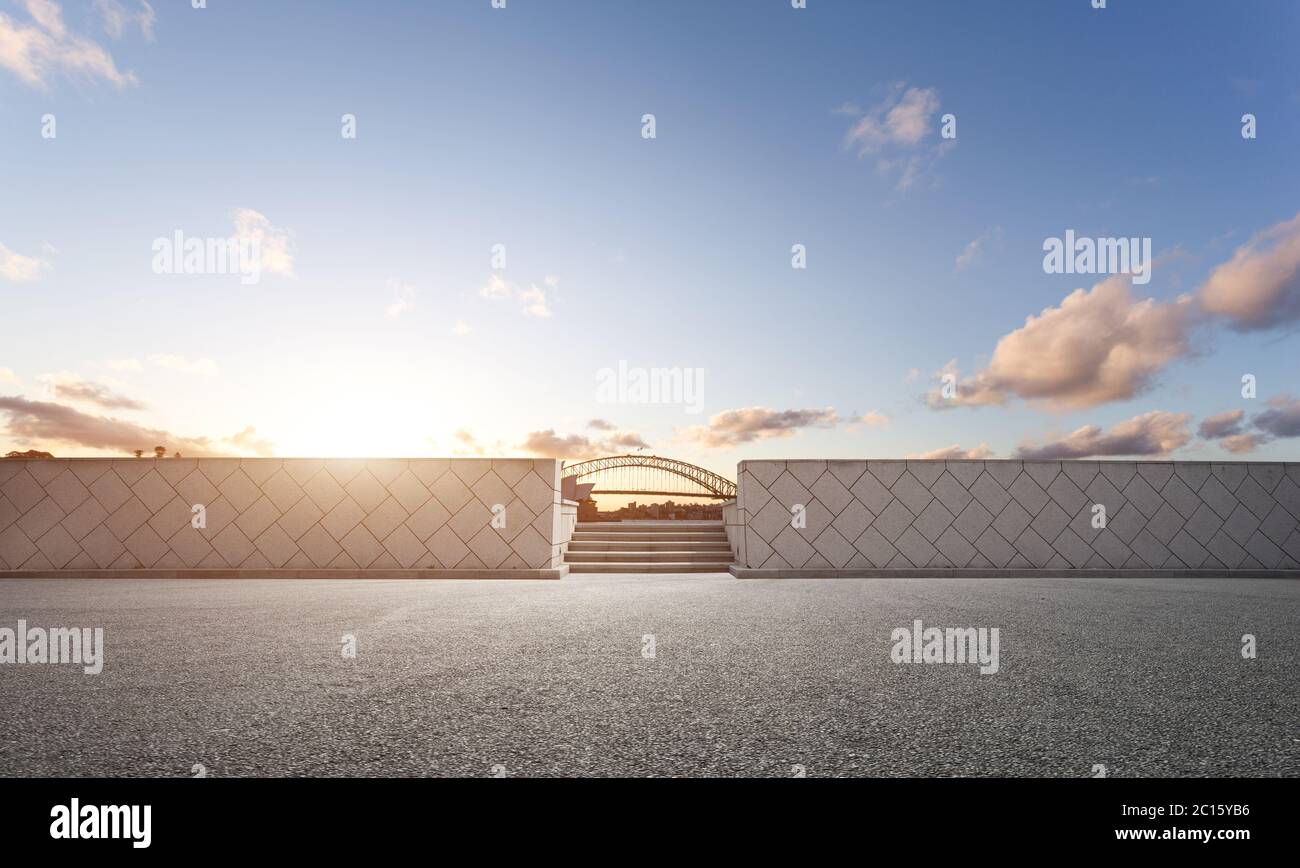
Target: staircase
(649, 547)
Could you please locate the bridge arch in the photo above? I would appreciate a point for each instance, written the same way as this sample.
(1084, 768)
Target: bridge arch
(650, 474)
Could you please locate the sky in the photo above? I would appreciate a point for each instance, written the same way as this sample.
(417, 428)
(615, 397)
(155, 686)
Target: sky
(465, 225)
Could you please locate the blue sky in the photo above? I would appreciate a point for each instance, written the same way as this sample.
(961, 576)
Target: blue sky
(523, 127)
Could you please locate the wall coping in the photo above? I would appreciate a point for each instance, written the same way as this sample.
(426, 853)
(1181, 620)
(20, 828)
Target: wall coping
(1008, 573)
(1005, 461)
(337, 575)
(144, 458)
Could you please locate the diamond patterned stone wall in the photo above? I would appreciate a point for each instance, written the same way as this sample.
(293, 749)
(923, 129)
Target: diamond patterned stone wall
(883, 515)
(263, 514)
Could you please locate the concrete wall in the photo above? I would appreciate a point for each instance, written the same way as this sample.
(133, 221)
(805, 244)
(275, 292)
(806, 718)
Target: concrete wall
(731, 523)
(997, 517)
(568, 523)
(300, 516)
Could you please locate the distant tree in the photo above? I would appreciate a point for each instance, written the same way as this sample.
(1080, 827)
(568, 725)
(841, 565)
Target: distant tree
(160, 452)
(177, 455)
(29, 454)
(139, 453)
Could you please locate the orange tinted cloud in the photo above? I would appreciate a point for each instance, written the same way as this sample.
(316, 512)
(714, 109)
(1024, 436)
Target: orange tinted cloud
(1259, 288)
(733, 427)
(52, 425)
(1097, 346)
(1154, 433)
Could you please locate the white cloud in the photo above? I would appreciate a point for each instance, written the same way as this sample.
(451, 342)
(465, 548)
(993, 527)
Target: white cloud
(870, 419)
(124, 364)
(247, 441)
(973, 253)
(496, 287)
(403, 299)
(35, 51)
(895, 132)
(275, 245)
(461, 328)
(533, 301)
(9, 378)
(469, 445)
(116, 18)
(902, 119)
(18, 268)
(908, 169)
(48, 15)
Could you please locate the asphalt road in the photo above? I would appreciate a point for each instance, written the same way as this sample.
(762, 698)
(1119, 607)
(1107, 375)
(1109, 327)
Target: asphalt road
(748, 678)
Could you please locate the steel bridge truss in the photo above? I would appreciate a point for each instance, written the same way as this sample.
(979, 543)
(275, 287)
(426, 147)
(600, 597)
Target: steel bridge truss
(651, 474)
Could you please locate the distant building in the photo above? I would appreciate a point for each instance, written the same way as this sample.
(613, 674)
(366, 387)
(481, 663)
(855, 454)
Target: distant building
(666, 511)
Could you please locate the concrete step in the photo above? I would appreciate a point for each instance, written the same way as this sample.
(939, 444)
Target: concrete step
(651, 567)
(635, 557)
(592, 536)
(665, 527)
(648, 546)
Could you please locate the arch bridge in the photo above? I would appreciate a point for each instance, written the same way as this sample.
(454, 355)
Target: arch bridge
(650, 474)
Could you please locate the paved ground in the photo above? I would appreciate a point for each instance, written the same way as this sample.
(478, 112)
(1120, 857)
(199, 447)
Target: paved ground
(749, 678)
